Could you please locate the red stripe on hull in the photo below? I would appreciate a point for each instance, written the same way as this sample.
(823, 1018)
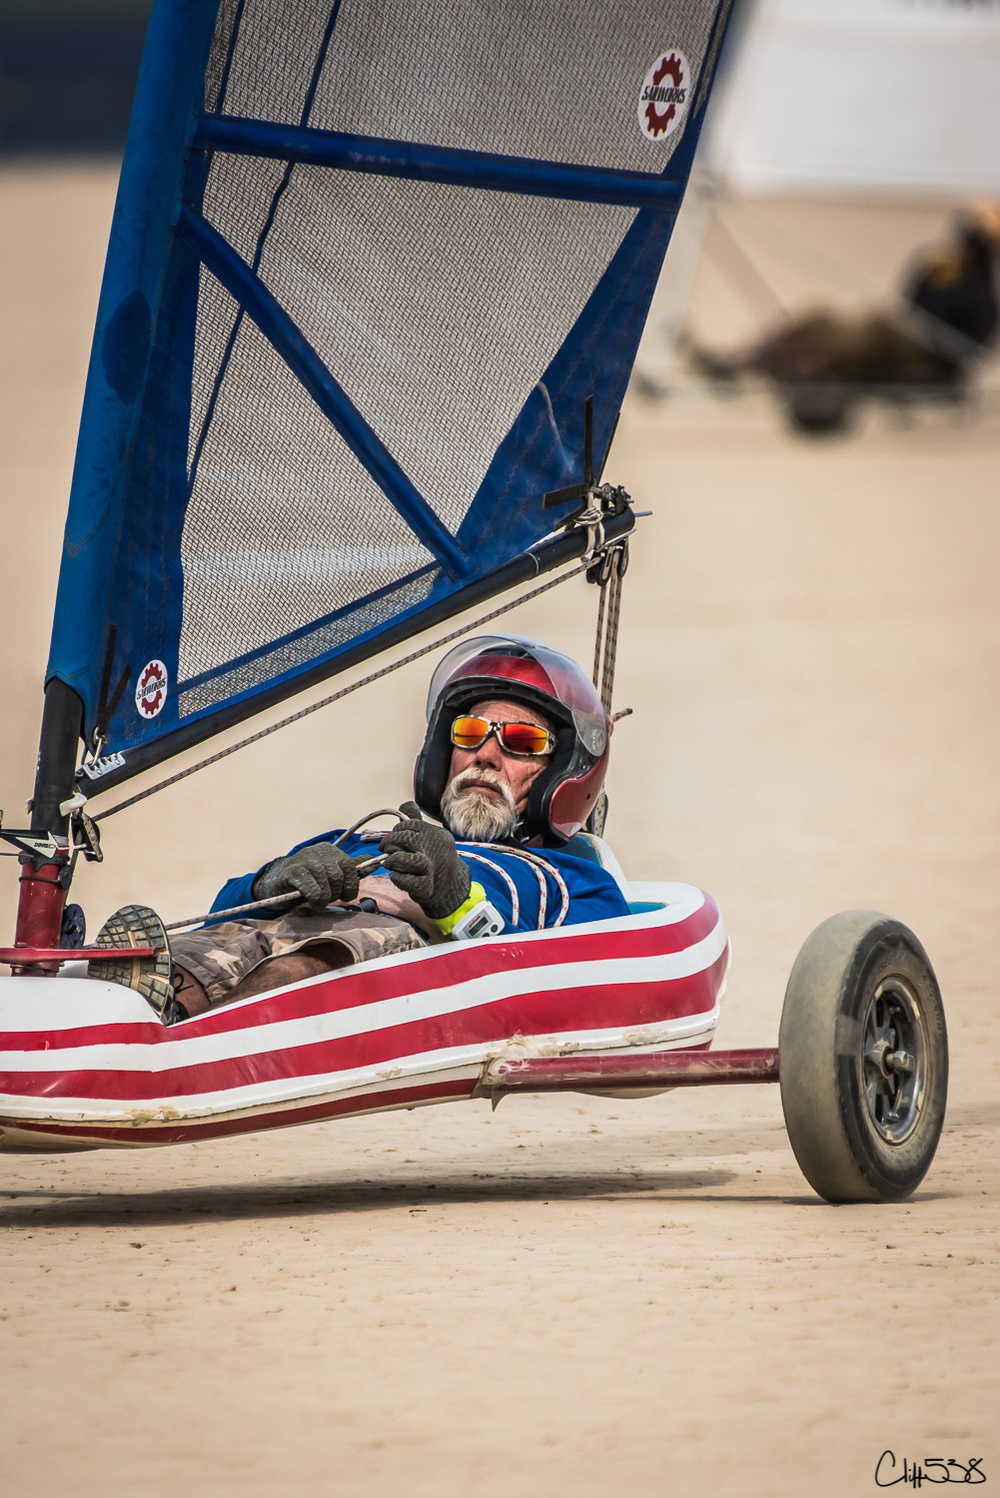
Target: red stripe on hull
(538, 1013)
(459, 963)
(181, 1133)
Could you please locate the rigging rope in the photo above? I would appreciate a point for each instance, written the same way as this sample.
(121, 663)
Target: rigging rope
(365, 681)
(364, 866)
(602, 596)
(618, 564)
(607, 574)
(367, 866)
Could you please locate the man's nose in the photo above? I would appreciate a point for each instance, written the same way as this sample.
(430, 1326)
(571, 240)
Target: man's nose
(490, 753)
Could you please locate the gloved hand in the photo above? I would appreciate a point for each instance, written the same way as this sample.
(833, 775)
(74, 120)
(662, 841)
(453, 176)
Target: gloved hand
(320, 873)
(424, 862)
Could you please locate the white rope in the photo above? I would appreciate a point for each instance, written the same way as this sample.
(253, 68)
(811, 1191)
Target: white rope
(515, 904)
(361, 826)
(543, 896)
(364, 866)
(593, 518)
(550, 868)
(539, 864)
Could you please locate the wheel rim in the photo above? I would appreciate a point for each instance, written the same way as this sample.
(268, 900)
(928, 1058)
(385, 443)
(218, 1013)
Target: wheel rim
(894, 1060)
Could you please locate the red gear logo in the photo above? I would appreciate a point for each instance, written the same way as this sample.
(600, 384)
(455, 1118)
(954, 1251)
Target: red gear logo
(670, 67)
(664, 96)
(151, 690)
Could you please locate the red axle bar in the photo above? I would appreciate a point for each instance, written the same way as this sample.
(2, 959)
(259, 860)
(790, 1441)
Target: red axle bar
(652, 1069)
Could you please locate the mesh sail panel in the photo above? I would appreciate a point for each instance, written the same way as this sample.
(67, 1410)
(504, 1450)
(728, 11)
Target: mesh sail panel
(440, 307)
(545, 81)
(368, 263)
(283, 527)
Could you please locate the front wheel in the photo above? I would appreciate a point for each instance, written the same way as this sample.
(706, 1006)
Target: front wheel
(863, 1059)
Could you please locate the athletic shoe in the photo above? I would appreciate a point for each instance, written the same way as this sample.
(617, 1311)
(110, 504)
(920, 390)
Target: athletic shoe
(138, 926)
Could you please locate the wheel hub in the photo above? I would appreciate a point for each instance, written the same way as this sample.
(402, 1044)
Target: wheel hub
(893, 1060)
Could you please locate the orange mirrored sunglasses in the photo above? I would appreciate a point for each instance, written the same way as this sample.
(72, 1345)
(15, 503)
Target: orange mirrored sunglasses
(514, 738)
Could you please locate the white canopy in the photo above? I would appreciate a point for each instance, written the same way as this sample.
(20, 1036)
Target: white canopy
(896, 94)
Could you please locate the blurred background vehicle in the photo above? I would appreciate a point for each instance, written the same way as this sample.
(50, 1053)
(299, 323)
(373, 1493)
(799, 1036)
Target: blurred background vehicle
(888, 111)
(928, 347)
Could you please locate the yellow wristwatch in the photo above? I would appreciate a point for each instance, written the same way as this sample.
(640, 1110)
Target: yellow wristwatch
(475, 917)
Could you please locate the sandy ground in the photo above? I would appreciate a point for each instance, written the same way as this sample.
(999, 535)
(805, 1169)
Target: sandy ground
(569, 1295)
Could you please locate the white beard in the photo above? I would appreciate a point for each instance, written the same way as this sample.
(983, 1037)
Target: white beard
(471, 816)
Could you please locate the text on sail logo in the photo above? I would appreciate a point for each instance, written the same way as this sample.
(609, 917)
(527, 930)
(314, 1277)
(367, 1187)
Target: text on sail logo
(664, 95)
(151, 691)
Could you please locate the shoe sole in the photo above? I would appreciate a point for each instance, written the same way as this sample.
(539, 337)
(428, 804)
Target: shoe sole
(136, 926)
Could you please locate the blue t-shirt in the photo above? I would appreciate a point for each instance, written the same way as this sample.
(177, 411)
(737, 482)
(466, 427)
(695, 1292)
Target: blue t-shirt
(593, 893)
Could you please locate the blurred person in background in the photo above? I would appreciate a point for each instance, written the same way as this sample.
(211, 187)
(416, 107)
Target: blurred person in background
(947, 320)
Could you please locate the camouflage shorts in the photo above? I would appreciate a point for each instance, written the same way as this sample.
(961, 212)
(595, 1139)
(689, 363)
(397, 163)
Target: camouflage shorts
(220, 956)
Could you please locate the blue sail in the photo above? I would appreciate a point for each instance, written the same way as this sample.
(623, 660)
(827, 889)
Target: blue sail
(367, 264)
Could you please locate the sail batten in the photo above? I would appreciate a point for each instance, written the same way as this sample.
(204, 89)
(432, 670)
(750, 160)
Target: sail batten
(445, 164)
(366, 268)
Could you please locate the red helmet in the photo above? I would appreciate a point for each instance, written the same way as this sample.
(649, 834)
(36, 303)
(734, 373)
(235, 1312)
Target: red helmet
(513, 668)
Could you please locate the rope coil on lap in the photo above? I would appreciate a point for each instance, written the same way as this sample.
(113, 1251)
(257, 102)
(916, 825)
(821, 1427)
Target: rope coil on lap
(515, 904)
(538, 863)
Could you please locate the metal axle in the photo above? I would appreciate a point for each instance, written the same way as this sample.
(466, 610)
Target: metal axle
(581, 1073)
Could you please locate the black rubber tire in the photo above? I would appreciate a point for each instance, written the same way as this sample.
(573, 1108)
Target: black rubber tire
(819, 411)
(862, 1001)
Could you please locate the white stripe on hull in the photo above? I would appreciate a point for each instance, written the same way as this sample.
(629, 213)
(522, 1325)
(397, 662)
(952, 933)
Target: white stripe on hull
(57, 1007)
(367, 1019)
(428, 1066)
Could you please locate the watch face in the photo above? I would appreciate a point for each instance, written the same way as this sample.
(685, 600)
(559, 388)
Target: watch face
(482, 920)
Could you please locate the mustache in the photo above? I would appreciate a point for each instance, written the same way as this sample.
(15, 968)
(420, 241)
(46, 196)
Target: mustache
(470, 814)
(471, 779)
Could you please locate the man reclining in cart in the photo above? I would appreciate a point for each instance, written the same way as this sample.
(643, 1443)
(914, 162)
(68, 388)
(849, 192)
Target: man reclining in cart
(513, 764)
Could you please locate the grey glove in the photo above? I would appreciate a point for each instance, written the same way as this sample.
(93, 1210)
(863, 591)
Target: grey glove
(320, 873)
(424, 862)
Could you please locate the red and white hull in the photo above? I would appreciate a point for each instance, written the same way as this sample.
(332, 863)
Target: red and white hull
(85, 1064)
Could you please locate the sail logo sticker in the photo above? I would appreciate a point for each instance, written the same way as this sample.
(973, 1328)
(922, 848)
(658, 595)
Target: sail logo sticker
(664, 96)
(151, 692)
